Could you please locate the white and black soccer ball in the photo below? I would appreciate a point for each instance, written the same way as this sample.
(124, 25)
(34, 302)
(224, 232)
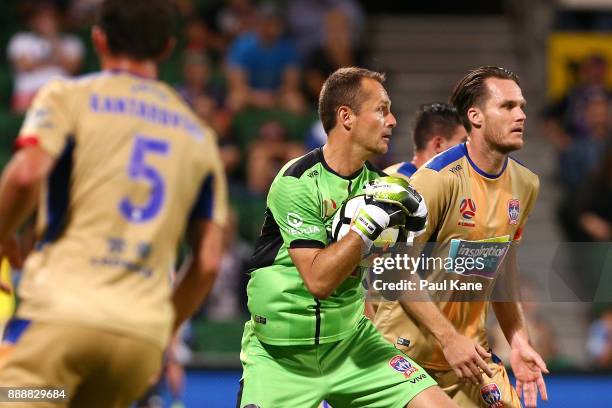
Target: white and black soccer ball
(343, 219)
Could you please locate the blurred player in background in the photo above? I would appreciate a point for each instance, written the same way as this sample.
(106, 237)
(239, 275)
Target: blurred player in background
(474, 192)
(308, 339)
(121, 168)
(437, 127)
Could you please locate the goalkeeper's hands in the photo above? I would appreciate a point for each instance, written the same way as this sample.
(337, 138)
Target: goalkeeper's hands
(399, 193)
(390, 202)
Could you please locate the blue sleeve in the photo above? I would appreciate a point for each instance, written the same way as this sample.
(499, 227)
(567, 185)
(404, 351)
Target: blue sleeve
(203, 206)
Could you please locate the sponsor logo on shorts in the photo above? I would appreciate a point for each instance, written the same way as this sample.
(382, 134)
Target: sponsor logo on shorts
(402, 365)
(417, 378)
(491, 395)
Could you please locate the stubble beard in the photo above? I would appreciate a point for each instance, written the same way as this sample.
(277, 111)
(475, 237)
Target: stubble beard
(496, 143)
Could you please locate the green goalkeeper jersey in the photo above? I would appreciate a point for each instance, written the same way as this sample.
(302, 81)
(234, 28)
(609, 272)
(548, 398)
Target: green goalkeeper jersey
(300, 207)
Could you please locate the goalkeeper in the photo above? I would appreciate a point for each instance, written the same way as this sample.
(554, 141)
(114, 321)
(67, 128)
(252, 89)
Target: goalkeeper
(307, 339)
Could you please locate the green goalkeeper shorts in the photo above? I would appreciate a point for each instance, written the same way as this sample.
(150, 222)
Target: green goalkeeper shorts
(363, 370)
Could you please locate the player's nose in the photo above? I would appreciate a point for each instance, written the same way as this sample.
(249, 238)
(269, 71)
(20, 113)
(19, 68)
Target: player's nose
(391, 121)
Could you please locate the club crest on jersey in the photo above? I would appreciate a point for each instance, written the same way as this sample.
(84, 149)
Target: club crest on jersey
(402, 365)
(514, 209)
(491, 395)
(467, 208)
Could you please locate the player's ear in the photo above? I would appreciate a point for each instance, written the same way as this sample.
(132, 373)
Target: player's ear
(475, 116)
(99, 40)
(437, 144)
(345, 117)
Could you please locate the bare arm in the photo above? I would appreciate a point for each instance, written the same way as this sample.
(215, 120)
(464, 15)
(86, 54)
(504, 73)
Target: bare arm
(429, 315)
(526, 363)
(512, 322)
(323, 270)
(205, 238)
(463, 354)
(20, 186)
(507, 308)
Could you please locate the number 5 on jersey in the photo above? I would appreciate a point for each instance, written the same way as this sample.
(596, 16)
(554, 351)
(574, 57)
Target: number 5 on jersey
(139, 170)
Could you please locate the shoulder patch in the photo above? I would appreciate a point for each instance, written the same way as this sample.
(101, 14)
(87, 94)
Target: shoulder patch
(407, 169)
(445, 158)
(297, 168)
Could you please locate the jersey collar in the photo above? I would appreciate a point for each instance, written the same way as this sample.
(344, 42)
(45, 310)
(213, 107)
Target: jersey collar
(117, 71)
(479, 170)
(326, 166)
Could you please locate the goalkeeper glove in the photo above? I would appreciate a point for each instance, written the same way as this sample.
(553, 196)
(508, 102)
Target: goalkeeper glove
(390, 202)
(398, 192)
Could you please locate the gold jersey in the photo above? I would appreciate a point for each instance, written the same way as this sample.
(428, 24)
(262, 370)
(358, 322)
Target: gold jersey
(465, 204)
(133, 166)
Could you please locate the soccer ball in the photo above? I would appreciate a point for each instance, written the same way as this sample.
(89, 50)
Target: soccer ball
(343, 219)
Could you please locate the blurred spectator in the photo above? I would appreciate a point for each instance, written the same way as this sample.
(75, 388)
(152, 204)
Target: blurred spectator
(39, 55)
(199, 37)
(565, 119)
(306, 17)
(230, 155)
(213, 25)
(599, 342)
(237, 17)
(263, 68)
(579, 127)
(207, 98)
(224, 300)
(186, 8)
(335, 52)
(595, 209)
(83, 12)
(584, 150)
(267, 154)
